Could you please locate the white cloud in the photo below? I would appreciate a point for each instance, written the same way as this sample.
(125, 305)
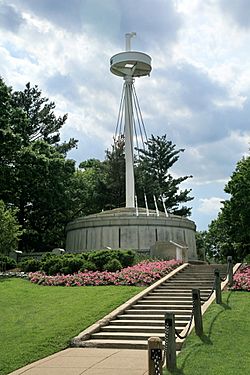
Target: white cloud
(210, 205)
(198, 92)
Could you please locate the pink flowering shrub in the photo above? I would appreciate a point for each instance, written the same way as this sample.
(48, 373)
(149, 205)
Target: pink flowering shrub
(143, 274)
(242, 279)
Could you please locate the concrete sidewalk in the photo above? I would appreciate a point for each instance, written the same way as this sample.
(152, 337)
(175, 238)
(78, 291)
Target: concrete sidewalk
(90, 361)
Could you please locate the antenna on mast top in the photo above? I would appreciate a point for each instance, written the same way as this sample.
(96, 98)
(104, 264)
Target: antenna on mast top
(128, 37)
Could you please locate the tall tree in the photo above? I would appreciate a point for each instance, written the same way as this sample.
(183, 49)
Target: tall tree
(114, 165)
(89, 191)
(35, 174)
(231, 230)
(154, 177)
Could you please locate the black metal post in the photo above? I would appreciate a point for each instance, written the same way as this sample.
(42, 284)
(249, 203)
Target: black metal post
(197, 312)
(217, 286)
(171, 344)
(230, 270)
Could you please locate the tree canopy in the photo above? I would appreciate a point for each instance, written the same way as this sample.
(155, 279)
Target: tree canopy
(155, 179)
(229, 234)
(35, 174)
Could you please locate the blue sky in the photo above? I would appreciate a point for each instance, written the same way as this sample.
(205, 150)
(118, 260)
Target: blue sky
(198, 92)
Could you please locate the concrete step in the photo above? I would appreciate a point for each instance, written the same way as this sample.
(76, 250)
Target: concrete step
(145, 322)
(119, 344)
(162, 307)
(189, 283)
(166, 302)
(146, 317)
(183, 288)
(177, 297)
(158, 311)
(168, 296)
(197, 274)
(138, 329)
(152, 316)
(139, 336)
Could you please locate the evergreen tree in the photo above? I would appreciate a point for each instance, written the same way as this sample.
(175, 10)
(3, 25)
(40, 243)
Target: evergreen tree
(153, 176)
(114, 165)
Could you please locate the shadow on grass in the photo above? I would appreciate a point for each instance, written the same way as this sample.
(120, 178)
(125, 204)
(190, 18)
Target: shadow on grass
(204, 339)
(4, 278)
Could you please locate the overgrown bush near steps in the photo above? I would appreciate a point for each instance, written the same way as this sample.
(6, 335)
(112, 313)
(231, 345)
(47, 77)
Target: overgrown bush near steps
(99, 260)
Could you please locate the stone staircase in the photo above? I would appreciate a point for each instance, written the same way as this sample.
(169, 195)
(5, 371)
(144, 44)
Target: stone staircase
(145, 318)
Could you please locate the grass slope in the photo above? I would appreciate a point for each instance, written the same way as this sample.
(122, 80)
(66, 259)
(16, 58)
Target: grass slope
(37, 321)
(224, 348)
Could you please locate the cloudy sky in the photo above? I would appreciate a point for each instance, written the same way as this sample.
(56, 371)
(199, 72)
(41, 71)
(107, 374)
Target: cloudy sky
(198, 92)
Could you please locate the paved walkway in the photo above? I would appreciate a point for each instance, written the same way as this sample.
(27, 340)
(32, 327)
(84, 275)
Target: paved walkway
(90, 361)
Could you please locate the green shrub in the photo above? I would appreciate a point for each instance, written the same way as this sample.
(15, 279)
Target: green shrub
(126, 257)
(101, 257)
(113, 265)
(89, 266)
(30, 265)
(111, 260)
(52, 264)
(7, 263)
(55, 268)
(71, 265)
(247, 259)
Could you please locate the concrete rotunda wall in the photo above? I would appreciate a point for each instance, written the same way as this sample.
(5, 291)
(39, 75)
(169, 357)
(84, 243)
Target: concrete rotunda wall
(123, 229)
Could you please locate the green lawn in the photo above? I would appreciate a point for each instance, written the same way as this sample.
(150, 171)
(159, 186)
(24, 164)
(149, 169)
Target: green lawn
(225, 347)
(36, 321)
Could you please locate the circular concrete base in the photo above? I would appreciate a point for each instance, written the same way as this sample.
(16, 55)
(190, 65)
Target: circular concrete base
(123, 228)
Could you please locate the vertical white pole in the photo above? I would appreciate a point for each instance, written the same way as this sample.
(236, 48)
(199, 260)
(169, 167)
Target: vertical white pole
(128, 38)
(129, 148)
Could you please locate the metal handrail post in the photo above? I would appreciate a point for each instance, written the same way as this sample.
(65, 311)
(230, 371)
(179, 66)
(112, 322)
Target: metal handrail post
(217, 286)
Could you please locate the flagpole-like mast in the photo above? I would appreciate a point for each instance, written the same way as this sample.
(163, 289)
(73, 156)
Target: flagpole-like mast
(129, 65)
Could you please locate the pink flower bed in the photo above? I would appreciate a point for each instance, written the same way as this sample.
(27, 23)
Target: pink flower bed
(242, 279)
(142, 274)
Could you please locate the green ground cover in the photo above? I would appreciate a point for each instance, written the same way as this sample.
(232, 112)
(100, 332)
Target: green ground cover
(37, 321)
(224, 349)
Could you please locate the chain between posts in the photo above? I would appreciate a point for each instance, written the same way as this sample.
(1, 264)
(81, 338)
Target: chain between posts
(166, 341)
(189, 326)
(211, 292)
(156, 356)
(196, 304)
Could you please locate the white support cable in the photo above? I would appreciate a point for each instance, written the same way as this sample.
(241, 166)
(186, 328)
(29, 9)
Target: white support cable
(136, 136)
(138, 116)
(146, 204)
(136, 206)
(164, 206)
(120, 114)
(137, 101)
(156, 207)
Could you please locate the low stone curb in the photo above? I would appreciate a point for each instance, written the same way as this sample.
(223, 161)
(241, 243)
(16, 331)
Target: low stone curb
(85, 335)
